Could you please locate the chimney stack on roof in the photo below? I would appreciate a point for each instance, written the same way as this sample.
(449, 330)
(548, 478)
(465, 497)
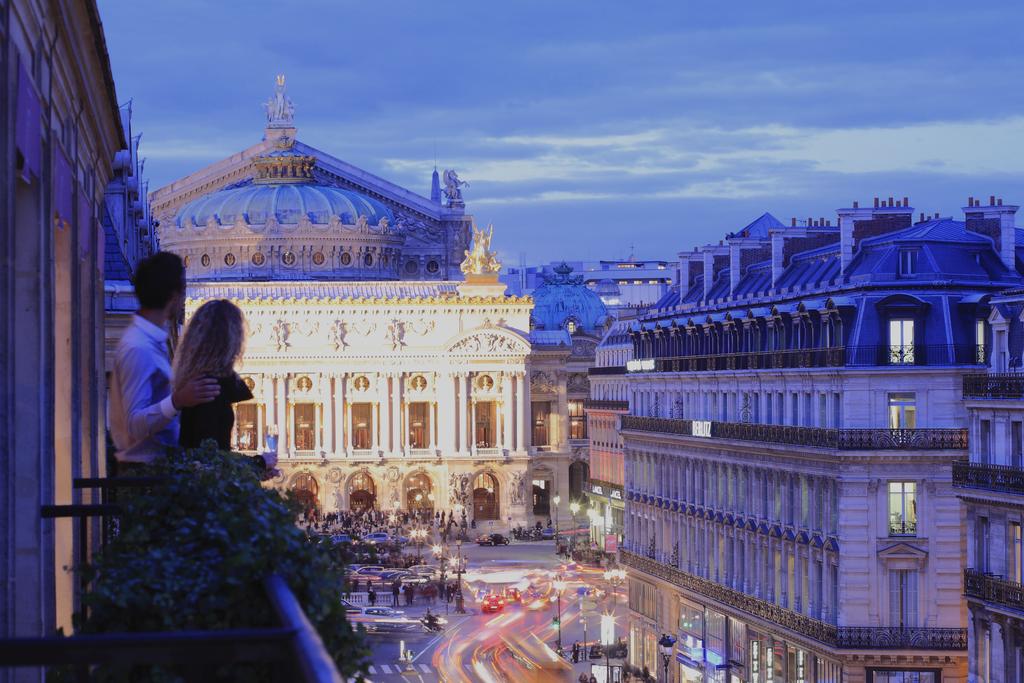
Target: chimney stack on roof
(997, 222)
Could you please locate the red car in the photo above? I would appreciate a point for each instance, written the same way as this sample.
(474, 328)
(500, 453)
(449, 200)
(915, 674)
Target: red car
(492, 603)
(513, 595)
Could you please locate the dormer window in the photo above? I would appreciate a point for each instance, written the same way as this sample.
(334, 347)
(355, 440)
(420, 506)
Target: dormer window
(908, 262)
(570, 326)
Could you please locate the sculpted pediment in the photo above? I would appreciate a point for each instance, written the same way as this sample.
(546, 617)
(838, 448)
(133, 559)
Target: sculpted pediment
(493, 341)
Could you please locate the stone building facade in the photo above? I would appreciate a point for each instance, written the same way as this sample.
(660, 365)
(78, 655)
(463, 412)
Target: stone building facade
(63, 142)
(795, 417)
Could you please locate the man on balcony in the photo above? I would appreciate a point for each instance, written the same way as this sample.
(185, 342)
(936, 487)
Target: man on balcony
(143, 412)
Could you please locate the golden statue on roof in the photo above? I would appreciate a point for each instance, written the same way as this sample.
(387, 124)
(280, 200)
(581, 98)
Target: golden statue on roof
(480, 260)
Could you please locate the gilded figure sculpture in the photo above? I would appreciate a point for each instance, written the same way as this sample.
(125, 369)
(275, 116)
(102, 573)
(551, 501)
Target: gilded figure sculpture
(480, 260)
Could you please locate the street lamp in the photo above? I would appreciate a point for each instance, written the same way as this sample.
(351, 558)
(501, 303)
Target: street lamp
(559, 586)
(441, 553)
(459, 599)
(574, 507)
(418, 536)
(665, 646)
(556, 500)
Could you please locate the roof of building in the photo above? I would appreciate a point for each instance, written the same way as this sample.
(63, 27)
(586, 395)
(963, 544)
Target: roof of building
(320, 290)
(759, 227)
(564, 298)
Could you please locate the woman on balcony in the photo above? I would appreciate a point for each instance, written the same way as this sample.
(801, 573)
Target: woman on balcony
(212, 344)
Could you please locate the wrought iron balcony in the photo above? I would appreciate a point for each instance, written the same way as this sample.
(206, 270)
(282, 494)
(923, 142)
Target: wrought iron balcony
(901, 638)
(973, 475)
(852, 637)
(827, 357)
(596, 404)
(903, 528)
(816, 437)
(611, 370)
(993, 589)
(994, 385)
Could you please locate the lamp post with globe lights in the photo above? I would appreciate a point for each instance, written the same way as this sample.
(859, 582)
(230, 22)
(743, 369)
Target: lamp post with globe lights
(666, 647)
(418, 537)
(559, 586)
(574, 508)
(441, 553)
(556, 500)
(616, 577)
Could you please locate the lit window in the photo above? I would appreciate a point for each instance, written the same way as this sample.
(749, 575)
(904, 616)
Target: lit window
(484, 428)
(571, 326)
(419, 425)
(577, 420)
(540, 422)
(902, 508)
(246, 427)
(901, 341)
(305, 426)
(903, 410)
(979, 341)
(362, 426)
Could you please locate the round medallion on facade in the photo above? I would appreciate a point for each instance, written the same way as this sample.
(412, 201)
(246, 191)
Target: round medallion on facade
(368, 260)
(304, 383)
(205, 260)
(188, 261)
(485, 382)
(334, 475)
(418, 383)
(411, 267)
(346, 259)
(288, 258)
(318, 258)
(361, 383)
(229, 259)
(258, 259)
(250, 383)
(433, 267)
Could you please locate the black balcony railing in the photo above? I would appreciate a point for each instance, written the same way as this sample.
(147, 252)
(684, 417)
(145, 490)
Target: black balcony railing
(291, 651)
(993, 589)
(826, 357)
(598, 404)
(994, 385)
(817, 437)
(610, 370)
(973, 475)
(902, 528)
(901, 638)
(853, 637)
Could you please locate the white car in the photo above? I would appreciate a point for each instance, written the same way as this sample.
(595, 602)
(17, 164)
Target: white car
(375, 538)
(426, 571)
(369, 570)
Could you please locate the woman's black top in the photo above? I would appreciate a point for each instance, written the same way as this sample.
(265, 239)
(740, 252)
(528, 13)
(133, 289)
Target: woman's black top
(215, 419)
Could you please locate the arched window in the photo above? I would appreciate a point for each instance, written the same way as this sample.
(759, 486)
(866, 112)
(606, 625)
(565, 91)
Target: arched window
(362, 494)
(305, 490)
(485, 497)
(419, 492)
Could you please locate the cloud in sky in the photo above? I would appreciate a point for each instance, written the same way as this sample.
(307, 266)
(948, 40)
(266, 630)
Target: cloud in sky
(588, 128)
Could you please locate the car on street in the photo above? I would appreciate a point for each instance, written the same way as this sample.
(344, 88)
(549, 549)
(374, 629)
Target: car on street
(369, 570)
(427, 571)
(382, 612)
(512, 595)
(376, 538)
(394, 574)
(548, 533)
(492, 602)
(492, 539)
(341, 539)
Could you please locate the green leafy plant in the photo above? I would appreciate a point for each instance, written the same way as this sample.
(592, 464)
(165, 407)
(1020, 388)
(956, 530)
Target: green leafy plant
(192, 553)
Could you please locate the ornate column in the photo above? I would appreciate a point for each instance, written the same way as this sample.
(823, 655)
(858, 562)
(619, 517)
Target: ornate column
(463, 410)
(563, 410)
(323, 431)
(523, 411)
(327, 397)
(396, 413)
(472, 424)
(506, 411)
(282, 417)
(383, 403)
(340, 432)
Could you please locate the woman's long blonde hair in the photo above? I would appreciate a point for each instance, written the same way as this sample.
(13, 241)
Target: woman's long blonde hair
(213, 342)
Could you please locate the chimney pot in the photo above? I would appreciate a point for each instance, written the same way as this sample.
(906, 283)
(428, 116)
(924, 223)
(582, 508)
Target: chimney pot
(970, 201)
(876, 202)
(794, 221)
(922, 217)
(855, 205)
(991, 200)
(890, 201)
(999, 202)
(906, 201)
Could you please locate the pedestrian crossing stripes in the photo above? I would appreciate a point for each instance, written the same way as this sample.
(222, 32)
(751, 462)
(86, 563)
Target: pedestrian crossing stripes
(375, 669)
